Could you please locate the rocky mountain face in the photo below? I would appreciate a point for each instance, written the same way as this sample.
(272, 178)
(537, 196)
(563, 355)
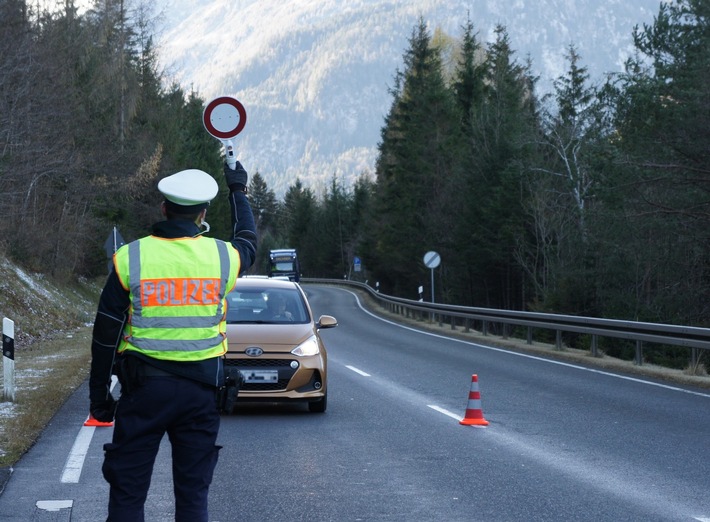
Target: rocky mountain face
(314, 75)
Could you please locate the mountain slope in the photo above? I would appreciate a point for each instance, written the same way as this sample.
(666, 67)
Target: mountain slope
(314, 74)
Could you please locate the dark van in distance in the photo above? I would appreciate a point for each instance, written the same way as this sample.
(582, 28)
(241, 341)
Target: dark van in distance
(284, 263)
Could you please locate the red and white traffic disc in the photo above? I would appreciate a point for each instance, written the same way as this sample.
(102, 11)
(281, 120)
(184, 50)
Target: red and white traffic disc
(224, 117)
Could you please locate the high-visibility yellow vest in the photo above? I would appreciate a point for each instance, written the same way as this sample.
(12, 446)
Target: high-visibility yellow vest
(177, 289)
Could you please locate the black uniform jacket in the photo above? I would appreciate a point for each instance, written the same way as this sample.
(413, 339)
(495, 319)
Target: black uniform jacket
(114, 304)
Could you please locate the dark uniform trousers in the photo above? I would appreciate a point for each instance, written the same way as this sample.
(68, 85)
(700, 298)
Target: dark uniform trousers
(187, 412)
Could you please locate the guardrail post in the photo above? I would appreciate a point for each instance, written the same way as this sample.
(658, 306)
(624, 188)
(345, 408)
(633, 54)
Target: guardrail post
(529, 335)
(639, 353)
(453, 322)
(8, 359)
(558, 340)
(595, 352)
(485, 328)
(466, 325)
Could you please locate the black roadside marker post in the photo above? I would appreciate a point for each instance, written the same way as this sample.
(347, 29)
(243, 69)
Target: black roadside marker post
(8, 359)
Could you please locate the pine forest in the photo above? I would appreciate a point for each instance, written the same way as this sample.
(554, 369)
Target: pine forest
(591, 200)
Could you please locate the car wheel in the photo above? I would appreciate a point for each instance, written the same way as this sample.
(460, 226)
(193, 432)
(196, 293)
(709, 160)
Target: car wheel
(320, 405)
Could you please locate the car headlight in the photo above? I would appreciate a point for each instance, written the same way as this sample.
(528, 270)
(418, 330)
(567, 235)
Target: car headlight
(308, 347)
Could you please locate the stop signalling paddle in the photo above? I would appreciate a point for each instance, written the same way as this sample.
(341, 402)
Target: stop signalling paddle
(224, 118)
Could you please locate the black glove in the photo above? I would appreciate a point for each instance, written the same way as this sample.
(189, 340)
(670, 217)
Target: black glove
(104, 411)
(236, 178)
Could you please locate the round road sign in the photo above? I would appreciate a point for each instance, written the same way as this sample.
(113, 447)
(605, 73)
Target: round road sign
(432, 259)
(224, 117)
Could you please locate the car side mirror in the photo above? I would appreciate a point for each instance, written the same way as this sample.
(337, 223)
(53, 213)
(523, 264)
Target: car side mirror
(327, 321)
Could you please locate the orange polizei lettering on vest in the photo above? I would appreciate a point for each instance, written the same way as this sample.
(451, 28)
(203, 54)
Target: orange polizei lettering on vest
(179, 292)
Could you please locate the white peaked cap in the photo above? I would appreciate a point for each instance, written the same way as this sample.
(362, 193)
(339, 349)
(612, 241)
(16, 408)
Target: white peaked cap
(189, 187)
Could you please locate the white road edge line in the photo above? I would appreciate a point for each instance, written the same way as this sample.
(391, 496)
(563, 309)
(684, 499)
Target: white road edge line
(445, 412)
(75, 460)
(364, 374)
(452, 415)
(528, 356)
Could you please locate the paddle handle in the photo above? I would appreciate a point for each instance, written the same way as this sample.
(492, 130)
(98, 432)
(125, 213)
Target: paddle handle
(229, 155)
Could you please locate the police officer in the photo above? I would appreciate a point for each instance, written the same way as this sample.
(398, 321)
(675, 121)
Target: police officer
(160, 326)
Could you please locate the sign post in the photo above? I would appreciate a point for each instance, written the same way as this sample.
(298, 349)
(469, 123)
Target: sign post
(224, 118)
(357, 264)
(432, 260)
(114, 241)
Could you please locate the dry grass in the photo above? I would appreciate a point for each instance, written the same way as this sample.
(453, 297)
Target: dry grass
(45, 375)
(52, 351)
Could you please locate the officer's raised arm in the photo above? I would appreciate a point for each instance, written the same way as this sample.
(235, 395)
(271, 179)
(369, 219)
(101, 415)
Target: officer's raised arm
(243, 226)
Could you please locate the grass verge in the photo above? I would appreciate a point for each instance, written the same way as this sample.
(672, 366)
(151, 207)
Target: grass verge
(46, 374)
(52, 350)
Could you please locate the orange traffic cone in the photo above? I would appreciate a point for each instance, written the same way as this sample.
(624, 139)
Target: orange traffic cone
(474, 413)
(91, 421)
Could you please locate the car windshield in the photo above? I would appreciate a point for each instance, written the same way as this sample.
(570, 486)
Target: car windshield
(266, 306)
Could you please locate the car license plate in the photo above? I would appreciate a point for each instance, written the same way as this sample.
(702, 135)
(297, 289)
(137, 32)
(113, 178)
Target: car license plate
(260, 375)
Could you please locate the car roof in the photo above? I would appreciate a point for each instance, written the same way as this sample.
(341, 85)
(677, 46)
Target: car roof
(245, 283)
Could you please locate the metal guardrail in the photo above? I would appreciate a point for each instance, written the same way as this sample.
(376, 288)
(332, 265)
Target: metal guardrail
(693, 338)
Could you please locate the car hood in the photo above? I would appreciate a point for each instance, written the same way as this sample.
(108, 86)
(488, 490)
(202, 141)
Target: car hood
(286, 335)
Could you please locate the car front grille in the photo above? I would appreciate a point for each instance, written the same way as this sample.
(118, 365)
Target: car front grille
(258, 363)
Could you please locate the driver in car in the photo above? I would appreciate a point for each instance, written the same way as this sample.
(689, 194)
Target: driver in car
(277, 309)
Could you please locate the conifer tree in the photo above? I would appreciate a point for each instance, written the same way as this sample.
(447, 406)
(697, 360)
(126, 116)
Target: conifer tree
(469, 84)
(470, 89)
(562, 186)
(263, 204)
(414, 166)
(502, 125)
(299, 223)
(337, 221)
(662, 109)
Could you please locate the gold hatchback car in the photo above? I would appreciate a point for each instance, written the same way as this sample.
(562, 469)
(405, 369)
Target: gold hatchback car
(275, 343)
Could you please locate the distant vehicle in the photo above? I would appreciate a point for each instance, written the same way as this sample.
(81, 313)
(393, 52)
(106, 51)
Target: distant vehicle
(283, 262)
(275, 343)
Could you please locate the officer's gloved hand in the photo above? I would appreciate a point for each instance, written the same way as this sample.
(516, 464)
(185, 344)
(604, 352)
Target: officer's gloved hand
(104, 411)
(236, 178)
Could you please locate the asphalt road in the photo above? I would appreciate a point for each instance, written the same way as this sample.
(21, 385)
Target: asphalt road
(565, 442)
